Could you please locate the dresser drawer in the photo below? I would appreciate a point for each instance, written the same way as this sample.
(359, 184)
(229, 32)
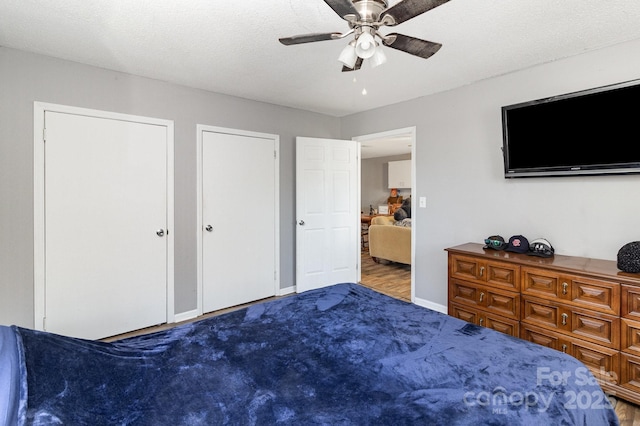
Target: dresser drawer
(494, 273)
(592, 326)
(494, 322)
(466, 268)
(464, 313)
(603, 362)
(630, 302)
(501, 302)
(543, 283)
(597, 328)
(544, 337)
(630, 336)
(599, 295)
(465, 293)
(503, 325)
(630, 372)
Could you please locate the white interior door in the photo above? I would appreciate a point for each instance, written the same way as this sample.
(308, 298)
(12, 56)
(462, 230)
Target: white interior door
(105, 225)
(327, 212)
(239, 218)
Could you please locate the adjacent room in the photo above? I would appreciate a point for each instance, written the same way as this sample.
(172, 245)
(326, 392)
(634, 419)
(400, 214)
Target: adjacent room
(319, 212)
(386, 179)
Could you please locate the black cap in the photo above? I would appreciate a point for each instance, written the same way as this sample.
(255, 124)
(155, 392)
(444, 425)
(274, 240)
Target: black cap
(495, 242)
(518, 244)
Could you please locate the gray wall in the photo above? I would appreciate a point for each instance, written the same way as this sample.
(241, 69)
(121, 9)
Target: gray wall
(25, 78)
(374, 175)
(458, 164)
(460, 171)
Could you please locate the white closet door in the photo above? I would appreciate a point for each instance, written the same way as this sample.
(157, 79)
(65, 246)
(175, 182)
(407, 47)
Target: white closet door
(239, 219)
(105, 225)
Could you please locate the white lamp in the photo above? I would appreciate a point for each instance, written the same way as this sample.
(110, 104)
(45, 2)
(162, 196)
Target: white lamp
(378, 57)
(365, 45)
(348, 55)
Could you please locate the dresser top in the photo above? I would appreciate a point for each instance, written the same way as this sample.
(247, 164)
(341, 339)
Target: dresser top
(585, 265)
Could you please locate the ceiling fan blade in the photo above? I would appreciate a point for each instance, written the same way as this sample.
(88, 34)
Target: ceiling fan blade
(356, 67)
(343, 8)
(407, 9)
(412, 45)
(308, 38)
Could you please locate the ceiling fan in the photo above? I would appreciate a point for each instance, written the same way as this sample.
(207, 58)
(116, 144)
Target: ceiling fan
(365, 17)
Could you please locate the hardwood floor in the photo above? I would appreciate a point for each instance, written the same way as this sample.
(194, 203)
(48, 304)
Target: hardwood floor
(390, 278)
(394, 279)
(628, 413)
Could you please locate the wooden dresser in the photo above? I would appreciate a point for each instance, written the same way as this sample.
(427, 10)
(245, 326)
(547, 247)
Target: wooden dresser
(584, 307)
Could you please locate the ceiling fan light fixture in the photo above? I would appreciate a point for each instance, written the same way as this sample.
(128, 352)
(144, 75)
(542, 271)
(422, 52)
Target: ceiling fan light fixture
(378, 57)
(365, 17)
(348, 55)
(365, 45)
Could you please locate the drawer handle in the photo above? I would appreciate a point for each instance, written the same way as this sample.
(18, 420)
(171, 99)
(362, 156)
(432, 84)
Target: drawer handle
(481, 270)
(564, 319)
(481, 296)
(564, 348)
(564, 288)
(481, 321)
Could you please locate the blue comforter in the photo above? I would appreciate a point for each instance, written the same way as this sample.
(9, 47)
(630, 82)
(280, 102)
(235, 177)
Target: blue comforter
(340, 355)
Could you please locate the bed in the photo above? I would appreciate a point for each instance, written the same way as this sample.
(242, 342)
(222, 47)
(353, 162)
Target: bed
(339, 355)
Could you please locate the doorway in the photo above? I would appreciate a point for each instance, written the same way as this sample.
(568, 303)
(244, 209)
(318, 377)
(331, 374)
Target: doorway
(394, 144)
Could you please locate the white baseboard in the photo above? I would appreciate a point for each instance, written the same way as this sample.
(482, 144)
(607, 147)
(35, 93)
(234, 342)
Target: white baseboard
(431, 305)
(184, 316)
(285, 291)
(188, 315)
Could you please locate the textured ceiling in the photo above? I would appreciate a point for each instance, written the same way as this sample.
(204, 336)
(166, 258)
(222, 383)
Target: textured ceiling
(232, 46)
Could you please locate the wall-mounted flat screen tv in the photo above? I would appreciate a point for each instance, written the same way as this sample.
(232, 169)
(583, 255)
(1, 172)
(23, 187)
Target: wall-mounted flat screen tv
(592, 132)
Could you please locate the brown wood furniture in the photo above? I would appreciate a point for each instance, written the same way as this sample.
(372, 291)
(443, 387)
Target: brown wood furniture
(365, 222)
(584, 307)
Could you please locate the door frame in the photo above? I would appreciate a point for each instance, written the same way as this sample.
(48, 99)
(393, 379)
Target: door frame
(39, 136)
(414, 190)
(200, 128)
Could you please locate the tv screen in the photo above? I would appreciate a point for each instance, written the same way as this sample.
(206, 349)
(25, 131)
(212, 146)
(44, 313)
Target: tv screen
(595, 131)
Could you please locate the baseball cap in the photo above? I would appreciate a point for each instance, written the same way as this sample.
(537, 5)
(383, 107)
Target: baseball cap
(495, 242)
(518, 244)
(541, 247)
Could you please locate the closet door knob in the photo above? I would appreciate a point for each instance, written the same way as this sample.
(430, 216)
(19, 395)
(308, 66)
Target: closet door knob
(209, 228)
(301, 223)
(160, 232)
